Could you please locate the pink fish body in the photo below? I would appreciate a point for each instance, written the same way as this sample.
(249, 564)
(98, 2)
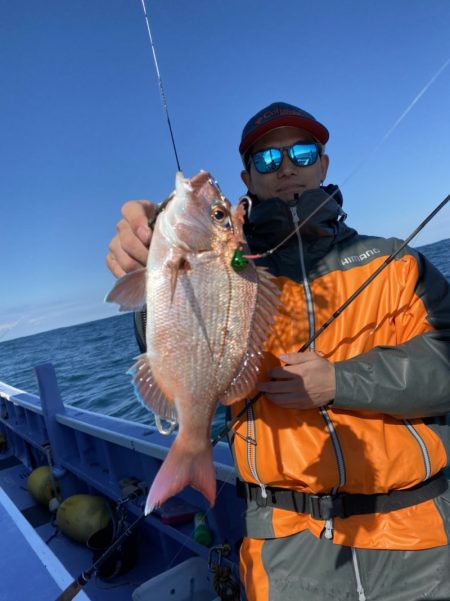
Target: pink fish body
(206, 325)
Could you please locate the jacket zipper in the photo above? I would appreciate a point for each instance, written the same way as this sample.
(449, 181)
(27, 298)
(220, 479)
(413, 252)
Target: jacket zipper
(308, 295)
(251, 450)
(323, 411)
(423, 448)
(337, 449)
(359, 586)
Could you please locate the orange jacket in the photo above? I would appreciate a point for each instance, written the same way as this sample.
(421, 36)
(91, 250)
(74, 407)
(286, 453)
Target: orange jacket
(391, 350)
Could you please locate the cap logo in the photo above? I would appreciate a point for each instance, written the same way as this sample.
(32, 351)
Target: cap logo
(277, 111)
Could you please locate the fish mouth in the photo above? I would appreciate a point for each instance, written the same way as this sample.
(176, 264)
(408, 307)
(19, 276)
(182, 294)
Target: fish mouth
(197, 181)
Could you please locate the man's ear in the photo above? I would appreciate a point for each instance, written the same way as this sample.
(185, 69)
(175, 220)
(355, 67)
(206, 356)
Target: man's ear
(324, 162)
(245, 177)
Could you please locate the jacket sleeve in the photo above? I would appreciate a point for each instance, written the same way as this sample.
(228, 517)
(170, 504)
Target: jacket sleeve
(412, 378)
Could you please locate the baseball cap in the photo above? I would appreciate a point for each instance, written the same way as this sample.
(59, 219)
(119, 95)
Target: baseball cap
(280, 114)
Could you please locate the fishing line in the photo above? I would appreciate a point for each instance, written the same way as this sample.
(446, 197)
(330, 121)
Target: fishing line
(160, 84)
(6, 329)
(414, 102)
(398, 121)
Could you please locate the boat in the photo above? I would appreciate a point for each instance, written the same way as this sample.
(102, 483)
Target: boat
(53, 458)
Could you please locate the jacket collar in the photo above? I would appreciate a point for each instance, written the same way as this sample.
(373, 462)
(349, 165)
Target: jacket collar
(270, 221)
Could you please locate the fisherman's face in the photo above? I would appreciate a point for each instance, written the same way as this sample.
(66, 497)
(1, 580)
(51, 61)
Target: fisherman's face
(289, 180)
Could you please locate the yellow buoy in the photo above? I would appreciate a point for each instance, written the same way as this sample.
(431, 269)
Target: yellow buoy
(40, 485)
(80, 516)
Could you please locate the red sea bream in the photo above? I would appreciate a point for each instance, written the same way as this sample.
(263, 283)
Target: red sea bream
(206, 326)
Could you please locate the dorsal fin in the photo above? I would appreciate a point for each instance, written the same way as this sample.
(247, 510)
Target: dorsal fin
(129, 291)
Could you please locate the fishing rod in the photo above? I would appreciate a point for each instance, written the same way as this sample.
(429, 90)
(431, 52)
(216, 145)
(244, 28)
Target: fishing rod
(160, 84)
(80, 581)
(375, 274)
(340, 310)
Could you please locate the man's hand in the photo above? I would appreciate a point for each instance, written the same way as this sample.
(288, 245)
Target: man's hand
(306, 381)
(128, 250)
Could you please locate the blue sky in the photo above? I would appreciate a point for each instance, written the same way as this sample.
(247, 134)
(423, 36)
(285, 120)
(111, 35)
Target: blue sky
(83, 130)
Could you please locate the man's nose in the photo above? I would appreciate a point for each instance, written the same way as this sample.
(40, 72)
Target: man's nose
(287, 166)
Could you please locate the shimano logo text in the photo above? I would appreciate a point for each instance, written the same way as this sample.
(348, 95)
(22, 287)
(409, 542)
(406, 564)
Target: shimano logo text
(360, 258)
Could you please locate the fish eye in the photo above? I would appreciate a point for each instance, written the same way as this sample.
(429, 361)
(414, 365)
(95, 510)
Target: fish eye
(220, 216)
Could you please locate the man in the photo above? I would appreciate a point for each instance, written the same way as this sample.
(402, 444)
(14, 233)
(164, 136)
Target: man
(341, 459)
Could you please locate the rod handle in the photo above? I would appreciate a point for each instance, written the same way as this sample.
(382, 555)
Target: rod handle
(71, 591)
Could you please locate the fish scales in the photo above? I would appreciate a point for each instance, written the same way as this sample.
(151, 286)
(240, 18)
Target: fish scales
(199, 337)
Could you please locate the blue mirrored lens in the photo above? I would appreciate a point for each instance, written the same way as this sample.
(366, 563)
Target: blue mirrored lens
(270, 159)
(303, 155)
(267, 161)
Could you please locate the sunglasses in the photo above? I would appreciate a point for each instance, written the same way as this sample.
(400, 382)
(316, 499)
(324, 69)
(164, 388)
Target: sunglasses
(302, 154)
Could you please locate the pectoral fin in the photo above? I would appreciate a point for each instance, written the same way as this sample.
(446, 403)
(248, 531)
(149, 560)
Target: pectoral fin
(129, 291)
(176, 266)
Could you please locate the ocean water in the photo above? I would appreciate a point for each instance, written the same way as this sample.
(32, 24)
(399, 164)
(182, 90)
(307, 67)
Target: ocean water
(91, 359)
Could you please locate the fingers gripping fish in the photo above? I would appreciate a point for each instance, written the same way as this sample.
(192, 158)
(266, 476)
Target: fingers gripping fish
(206, 325)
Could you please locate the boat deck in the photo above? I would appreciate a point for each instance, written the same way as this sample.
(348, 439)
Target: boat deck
(29, 568)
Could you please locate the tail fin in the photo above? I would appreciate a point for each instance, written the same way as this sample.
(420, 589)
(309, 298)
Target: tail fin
(181, 468)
